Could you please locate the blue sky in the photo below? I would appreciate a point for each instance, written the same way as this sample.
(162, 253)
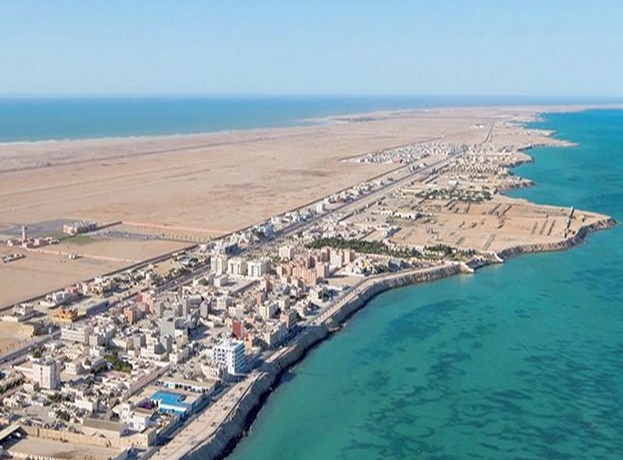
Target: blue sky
(478, 47)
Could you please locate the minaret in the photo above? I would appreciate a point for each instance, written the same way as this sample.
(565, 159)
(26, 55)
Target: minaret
(24, 234)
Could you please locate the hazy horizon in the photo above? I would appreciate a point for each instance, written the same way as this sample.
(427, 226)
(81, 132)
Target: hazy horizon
(159, 48)
(497, 97)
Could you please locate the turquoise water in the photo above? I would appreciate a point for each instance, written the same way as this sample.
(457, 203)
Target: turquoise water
(521, 361)
(35, 119)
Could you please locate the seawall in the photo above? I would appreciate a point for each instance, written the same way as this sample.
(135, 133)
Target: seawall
(218, 445)
(567, 243)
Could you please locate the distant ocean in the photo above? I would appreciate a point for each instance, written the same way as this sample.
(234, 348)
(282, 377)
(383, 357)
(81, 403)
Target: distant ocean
(37, 119)
(520, 361)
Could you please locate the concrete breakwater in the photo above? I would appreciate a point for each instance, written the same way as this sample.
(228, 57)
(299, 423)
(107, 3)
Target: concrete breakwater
(224, 439)
(567, 243)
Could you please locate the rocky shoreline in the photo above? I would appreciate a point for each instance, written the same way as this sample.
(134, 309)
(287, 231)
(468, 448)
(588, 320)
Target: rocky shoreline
(223, 441)
(567, 243)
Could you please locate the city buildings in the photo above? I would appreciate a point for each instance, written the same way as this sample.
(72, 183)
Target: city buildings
(236, 266)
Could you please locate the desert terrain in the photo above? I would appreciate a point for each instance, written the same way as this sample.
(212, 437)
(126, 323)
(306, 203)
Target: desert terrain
(203, 186)
(215, 183)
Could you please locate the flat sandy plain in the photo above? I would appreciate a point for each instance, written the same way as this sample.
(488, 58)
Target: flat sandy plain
(205, 184)
(51, 269)
(494, 225)
(216, 182)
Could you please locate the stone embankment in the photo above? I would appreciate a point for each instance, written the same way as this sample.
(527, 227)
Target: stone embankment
(371, 287)
(567, 243)
(228, 433)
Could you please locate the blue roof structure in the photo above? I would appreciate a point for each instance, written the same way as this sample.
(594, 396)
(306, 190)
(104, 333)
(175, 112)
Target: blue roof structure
(171, 402)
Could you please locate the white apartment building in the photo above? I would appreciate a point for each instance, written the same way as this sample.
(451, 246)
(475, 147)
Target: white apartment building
(47, 374)
(337, 259)
(74, 367)
(220, 265)
(236, 266)
(76, 333)
(258, 268)
(267, 310)
(286, 252)
(230, 353)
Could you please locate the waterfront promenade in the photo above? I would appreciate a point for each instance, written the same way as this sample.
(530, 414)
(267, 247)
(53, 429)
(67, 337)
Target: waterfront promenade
(211, 431)
(207, 423)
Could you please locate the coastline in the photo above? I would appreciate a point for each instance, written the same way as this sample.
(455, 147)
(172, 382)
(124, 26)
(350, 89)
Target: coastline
(254, 391)
(222, 441)
(354, 117)
(568, 243)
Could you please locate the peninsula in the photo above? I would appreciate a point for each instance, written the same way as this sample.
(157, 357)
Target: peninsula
(155, 288)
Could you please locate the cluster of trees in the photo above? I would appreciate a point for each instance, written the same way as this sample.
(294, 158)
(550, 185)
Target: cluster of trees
(118, 364)
(63, 415)
(114, 363)
(378, 269)
(57, 398)
(469, 196)
(38, 353)
(364, 247)
(443, 249)
(438, 251)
